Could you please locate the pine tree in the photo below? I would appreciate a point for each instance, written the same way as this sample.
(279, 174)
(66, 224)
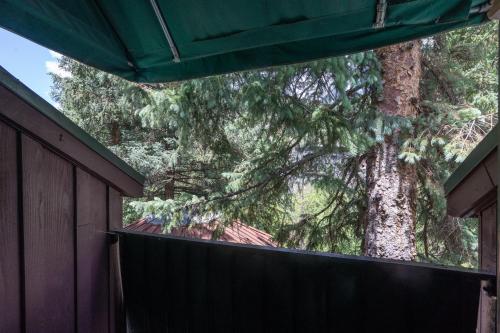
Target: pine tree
(286, 149)
(392, 183)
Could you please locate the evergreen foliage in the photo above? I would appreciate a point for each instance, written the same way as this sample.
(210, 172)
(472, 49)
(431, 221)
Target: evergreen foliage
(284, 148)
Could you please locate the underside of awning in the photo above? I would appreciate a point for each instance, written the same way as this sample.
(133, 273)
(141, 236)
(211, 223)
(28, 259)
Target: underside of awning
(169, 40)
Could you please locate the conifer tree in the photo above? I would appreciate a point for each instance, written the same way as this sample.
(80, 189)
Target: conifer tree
(391, 182)
(287, 149)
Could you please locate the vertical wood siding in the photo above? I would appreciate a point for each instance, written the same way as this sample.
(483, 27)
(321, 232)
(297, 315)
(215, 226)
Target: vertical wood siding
(92, 254)
(115, 221)
(487, 262)
(48, 240)
(58, 271)
(10, 292)
(488, 239)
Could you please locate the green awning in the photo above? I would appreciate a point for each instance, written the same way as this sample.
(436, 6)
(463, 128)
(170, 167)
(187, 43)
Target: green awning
(168, 40)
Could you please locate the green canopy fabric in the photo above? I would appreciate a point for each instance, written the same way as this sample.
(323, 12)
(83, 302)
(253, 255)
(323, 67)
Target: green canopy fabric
(169, 40)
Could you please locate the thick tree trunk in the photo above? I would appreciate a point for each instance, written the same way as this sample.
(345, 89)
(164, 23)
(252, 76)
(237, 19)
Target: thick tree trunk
(170, 187)
(391, 216)
(116, 136)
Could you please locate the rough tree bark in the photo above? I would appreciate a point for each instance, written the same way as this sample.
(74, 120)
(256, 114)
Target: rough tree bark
(116, 136)
(170, 186)
(391, 216)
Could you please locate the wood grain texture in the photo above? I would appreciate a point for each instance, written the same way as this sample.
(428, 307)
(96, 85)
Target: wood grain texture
(487, 305)
(470, 192)
(92, 254)
(48, 234)
(21, 113)
(487, 239)
(116, 314)
(490, 163)
(10, 293)
(115, 209)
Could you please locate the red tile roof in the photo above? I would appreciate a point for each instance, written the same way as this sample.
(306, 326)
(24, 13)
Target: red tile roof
(143, 225)
(237, 232)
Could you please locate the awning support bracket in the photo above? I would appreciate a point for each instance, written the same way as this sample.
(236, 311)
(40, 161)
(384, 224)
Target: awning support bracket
(166, 32)
(381, 13)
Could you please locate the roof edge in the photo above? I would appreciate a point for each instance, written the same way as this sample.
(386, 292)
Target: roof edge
(29, 96)
(476, 156)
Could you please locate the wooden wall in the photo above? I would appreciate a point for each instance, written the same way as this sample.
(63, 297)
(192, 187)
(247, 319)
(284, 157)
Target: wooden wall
(476, 196)
(487, 262)
(58, 270)
(488, 238)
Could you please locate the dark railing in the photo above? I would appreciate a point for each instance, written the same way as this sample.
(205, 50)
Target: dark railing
(179, 285)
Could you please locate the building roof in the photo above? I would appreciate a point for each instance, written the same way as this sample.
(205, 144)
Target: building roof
(237, 232)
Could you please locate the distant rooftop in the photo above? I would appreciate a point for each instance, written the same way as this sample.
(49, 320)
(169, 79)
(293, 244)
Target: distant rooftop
(237, 232)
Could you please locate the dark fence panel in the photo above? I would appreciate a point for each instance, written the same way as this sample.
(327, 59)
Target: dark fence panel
(179, 285)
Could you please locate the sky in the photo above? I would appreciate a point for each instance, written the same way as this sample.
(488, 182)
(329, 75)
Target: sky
(29, 62)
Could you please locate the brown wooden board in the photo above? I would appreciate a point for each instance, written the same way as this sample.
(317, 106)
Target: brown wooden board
(491, 163)
(10, 292)
(462, 200)
(25, 116)
(48, 240)
(92, 254)
(487, 239)
(487, 304)
(116, 314)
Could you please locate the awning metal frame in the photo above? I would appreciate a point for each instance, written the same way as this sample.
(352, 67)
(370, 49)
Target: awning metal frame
(381, 13)
(166, 32)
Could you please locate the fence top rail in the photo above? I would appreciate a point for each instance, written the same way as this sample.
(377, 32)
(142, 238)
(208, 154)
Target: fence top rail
(264, 250)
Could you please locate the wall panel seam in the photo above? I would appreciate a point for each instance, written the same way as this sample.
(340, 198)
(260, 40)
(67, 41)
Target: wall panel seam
(20, 230)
